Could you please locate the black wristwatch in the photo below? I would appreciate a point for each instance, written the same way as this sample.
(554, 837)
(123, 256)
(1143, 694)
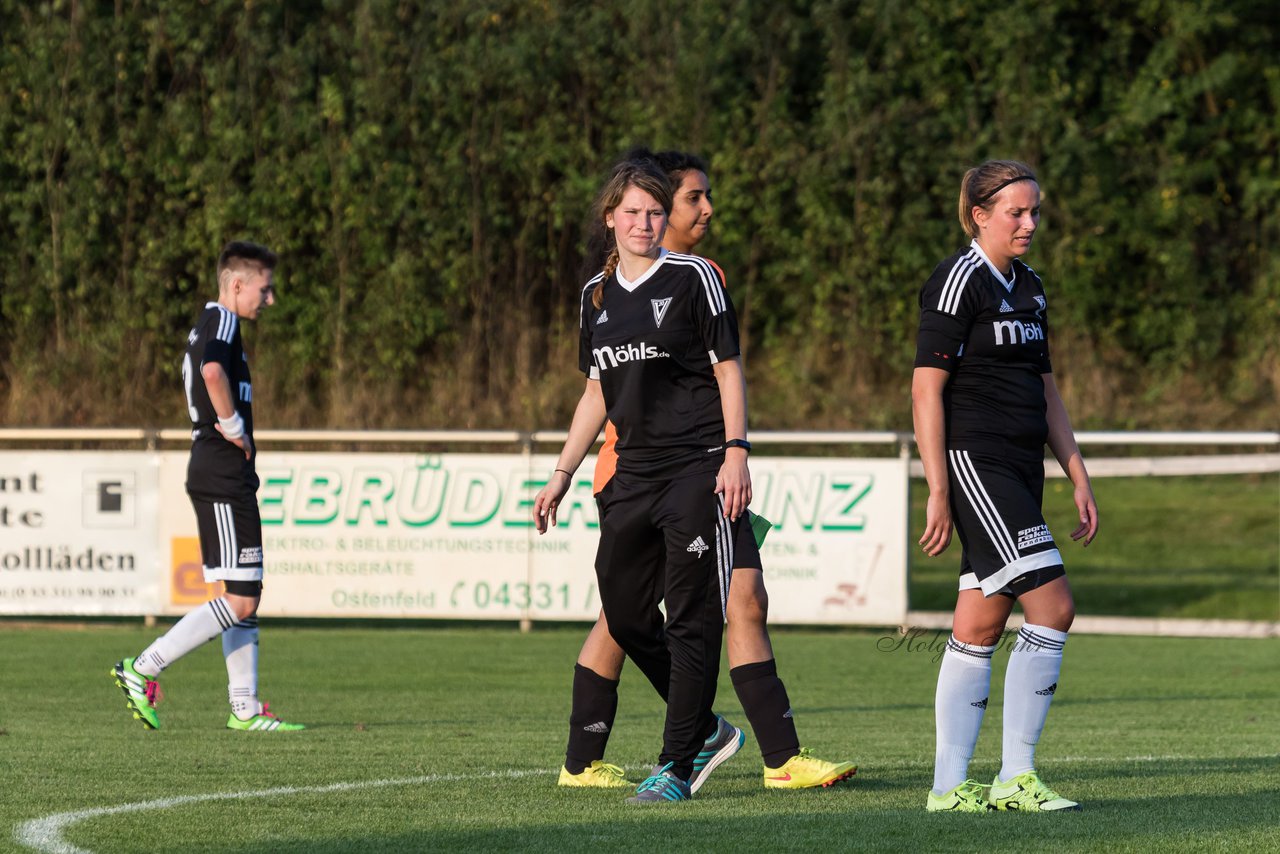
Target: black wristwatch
(738, 443)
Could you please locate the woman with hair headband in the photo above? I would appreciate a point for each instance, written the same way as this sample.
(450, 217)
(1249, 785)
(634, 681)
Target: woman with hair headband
(985, 404)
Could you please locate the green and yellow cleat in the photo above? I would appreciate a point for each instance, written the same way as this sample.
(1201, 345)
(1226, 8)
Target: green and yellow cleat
(1026, 793)
(597, 775)
(141, 693)
(806, 771)
(966, 797)
(263, 722)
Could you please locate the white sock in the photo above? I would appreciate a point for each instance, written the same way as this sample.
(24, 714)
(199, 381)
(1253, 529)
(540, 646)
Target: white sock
(240, 647)
(1029, 684)
(964, 683)
(197, 628)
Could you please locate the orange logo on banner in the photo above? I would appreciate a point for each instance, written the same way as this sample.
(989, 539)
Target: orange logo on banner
(186, 581)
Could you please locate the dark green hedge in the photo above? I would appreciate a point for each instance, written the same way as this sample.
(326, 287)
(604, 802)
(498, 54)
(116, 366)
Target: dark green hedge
(425, 168)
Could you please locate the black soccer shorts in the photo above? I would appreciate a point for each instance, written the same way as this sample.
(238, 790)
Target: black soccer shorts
(995, 506)
(735, 542)
(746, 553)
(230, 538)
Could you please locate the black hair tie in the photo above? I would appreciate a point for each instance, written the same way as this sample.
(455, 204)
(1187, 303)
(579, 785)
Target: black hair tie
(1001, 186)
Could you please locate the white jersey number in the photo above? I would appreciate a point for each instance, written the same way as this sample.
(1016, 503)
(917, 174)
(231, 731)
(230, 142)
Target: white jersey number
(186, 382)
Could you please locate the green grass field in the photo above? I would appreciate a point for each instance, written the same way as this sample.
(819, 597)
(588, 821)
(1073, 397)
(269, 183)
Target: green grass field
(437, 739)
(1205, 547)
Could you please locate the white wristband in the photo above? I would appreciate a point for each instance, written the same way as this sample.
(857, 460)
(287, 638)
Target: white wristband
(233, 427)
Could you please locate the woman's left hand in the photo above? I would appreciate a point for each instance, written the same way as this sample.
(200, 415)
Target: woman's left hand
(734, 483)
(1088, 508)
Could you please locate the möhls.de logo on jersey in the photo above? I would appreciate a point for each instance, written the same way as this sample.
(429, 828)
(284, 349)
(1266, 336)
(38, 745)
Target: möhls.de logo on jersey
(1018, 332)
(610, 357)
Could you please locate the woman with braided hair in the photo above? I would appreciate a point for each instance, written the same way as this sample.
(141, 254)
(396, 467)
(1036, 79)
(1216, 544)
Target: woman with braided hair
(753, 669)
(659, 346)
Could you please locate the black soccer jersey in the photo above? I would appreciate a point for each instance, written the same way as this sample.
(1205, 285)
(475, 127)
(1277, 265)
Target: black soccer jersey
(992, 336)
(652, 346)
(217, 467)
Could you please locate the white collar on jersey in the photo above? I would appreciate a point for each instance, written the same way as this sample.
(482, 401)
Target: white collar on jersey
(1008, 283)
(644, 277)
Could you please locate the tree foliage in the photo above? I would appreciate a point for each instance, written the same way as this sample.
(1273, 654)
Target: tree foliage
(425, 170)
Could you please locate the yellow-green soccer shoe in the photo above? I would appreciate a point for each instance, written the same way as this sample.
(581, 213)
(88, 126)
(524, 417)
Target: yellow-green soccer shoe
(806, 771)
(966, 797)
(1026, 793)
(597, 775)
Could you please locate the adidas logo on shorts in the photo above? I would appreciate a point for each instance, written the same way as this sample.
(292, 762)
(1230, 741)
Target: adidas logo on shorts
(698, 546)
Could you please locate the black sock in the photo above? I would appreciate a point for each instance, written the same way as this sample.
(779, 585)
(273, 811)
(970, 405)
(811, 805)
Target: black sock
(764, 699)
(595, 703)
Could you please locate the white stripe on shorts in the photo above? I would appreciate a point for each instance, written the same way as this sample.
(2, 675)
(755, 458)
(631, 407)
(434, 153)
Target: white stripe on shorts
(226, 535)
(243, 573)
(982, 504)
(1000, 580)
(724, 554)
(222, 535)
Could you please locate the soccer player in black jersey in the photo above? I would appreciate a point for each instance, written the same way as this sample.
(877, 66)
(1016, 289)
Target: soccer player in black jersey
(659, 346)
(753, 669)
(985, 404)
(222, 484)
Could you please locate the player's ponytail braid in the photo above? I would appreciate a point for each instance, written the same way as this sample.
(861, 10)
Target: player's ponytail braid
(610, 264)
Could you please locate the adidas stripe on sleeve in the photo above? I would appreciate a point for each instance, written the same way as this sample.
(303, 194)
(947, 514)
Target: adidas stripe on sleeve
(585, 311)
(948, 306)
(218, 330)
(713, 312)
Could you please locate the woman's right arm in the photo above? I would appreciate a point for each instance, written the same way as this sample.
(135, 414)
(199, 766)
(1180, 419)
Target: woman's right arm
(588, 419)
(930, 425)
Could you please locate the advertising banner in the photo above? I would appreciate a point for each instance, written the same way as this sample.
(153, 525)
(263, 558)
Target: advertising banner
(79, 533)
(450, 536)
(402, 535)
(837, 551)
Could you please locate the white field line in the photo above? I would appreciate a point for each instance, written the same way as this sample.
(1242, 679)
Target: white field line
(45, 834)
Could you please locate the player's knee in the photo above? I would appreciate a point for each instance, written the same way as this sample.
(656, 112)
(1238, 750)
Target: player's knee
(626, 628)
(750, 609)
(243, 597)
(978, 632)
(243, 607)
(748, 599)
(1062, 615)
(1051, 604)
(978, 635)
